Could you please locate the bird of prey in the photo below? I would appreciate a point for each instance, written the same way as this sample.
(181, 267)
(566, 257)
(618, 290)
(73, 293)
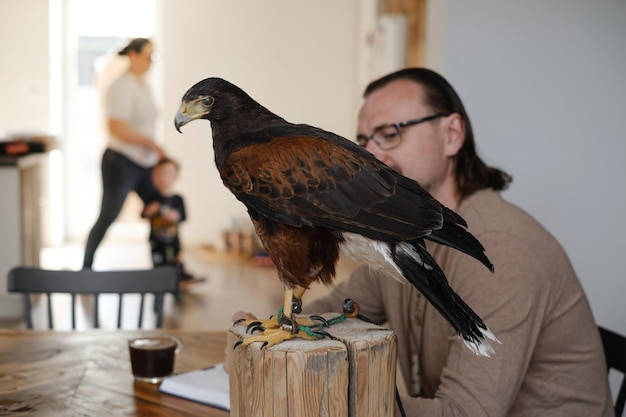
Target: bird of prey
(311, 194)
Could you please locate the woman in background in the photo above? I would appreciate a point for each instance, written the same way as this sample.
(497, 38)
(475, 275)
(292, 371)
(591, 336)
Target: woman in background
(131, 151)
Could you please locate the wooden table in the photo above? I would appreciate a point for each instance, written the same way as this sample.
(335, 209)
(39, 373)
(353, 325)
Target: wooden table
(87, 373)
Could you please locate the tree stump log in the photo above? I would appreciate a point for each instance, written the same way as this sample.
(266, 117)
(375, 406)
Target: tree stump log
(352, 376)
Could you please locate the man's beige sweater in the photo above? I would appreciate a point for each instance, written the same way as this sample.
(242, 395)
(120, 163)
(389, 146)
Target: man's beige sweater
(550, 362)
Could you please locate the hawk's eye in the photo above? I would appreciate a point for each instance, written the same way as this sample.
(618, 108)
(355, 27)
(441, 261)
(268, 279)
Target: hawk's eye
(208, 101)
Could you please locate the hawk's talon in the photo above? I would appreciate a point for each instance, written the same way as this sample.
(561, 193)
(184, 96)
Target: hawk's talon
(236, 322)
(325, 333)
(251, 325)
(257, 328)
(320, 318)
(264, 344)
(237, 343)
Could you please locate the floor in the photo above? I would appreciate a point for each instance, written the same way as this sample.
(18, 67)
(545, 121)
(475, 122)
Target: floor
(232, 283)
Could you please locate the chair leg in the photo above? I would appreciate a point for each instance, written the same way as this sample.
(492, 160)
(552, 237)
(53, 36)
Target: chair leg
(96, 321)
(28, 313)
(73, 311)
(159, 309)
(119, 310)
(50, 323)
(141, 302)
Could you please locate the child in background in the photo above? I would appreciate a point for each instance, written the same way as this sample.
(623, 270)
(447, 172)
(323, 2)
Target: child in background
(165, 213)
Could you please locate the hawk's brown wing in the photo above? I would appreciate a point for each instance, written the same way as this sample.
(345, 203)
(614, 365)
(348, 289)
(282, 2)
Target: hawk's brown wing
(322, 182)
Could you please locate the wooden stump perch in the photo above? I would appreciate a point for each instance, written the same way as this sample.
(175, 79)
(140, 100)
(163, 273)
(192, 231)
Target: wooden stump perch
(352, 376)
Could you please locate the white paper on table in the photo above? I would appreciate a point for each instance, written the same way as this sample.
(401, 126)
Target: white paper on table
(208, 386)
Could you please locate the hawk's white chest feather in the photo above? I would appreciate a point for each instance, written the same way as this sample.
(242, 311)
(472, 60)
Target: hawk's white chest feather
(377, 254)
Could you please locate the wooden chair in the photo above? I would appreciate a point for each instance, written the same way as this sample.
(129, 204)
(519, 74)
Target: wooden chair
(158, 281)
(615, 352)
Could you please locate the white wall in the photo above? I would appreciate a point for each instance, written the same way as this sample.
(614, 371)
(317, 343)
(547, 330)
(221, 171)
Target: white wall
(297, 58)
(544, 83)
(24, 70)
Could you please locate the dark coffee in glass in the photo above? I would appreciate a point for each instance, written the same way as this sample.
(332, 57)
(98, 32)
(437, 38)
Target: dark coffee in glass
(152, 357)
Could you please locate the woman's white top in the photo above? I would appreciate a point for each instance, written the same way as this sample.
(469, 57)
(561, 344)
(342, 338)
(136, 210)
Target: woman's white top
(131, 101)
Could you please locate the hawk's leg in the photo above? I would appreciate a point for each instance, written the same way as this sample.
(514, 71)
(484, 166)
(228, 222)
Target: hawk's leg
(286, 325)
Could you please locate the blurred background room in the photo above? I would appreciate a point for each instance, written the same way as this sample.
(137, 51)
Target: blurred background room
(543, 83)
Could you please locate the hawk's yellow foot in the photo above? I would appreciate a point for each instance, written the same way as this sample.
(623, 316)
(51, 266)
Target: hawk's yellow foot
(279, 328)
(271, 337)
(286, 325)
(274, 323)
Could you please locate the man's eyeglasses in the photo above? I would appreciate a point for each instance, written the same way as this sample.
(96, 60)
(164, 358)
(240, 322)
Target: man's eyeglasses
(387, 137)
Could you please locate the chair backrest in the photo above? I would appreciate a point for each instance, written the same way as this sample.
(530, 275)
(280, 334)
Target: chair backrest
(157, 281)
(615, 352)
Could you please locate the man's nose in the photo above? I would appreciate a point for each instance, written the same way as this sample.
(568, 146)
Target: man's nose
(372, 148)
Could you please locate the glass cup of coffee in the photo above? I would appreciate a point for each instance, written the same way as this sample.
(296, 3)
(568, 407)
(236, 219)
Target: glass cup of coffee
(152, 357)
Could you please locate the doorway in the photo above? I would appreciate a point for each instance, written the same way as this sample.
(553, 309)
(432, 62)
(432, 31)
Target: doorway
(92, 31)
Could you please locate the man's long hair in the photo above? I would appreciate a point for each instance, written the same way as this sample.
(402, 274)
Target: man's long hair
(470, 172)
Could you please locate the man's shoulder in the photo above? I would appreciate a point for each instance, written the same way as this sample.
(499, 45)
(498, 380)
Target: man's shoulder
(500, 225)
(487, 210)
(496, 221)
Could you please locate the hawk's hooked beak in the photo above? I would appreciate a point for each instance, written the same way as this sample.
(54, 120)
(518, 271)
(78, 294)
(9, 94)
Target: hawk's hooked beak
(181, 119)
(190, 111)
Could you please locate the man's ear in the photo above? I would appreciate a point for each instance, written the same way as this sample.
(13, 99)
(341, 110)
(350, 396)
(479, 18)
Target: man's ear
(455, 134)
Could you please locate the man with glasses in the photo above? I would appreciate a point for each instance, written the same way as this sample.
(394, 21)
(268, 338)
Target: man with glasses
(550, 361)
